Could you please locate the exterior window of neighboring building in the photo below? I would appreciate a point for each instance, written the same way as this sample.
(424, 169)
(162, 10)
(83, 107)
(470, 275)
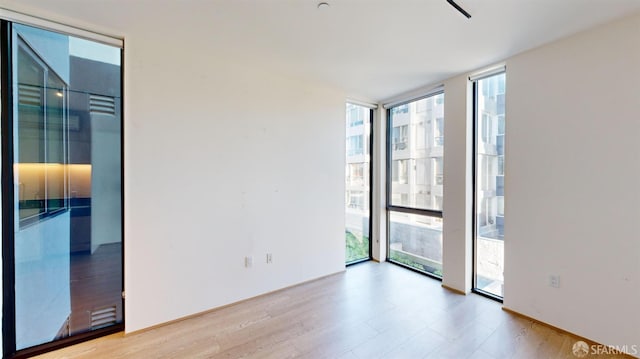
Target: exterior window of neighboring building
(355, 145)
(439, 132)
(400, 137)
(355, 117)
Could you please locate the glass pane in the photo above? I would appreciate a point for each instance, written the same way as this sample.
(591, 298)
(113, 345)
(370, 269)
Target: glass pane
(416, 241)
(416, 147)
(31, 133)
(67, 166)
(55, 143)
(490, 185)
(357, 183)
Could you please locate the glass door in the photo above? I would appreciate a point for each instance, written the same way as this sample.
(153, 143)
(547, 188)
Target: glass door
(66, 241)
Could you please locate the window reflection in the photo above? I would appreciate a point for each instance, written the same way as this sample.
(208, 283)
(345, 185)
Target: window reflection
(67, 180)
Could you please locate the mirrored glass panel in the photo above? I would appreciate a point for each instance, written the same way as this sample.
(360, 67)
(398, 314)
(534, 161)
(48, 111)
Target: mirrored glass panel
(67, 185)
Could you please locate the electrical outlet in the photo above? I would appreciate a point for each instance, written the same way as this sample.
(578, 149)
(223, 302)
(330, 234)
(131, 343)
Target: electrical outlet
(269, 258)
(554, 281)
(248, 262)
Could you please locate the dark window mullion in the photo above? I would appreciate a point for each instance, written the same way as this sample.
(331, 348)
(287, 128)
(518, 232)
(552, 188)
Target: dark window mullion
(424, 212)
(371, 144)
(8, 249)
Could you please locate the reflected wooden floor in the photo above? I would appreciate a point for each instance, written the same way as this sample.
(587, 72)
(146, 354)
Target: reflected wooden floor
(370, 311)
(96, 283)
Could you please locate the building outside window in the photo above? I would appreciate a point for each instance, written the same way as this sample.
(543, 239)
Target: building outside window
(357, 186)
(415, 184)
(489, 166)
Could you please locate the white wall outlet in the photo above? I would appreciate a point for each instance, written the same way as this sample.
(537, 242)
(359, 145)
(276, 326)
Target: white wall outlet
(248, 262)
(269, 258)
(554, 281)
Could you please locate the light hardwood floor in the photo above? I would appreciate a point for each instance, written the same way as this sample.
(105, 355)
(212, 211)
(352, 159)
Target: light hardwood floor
(372, 310)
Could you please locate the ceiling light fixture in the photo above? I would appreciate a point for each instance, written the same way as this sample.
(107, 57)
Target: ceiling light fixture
(323, 5)
(457, 7)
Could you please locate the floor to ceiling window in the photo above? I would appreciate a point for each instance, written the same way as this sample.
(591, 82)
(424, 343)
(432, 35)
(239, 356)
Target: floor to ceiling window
(62, 198)
(489, 99)
(415, 183)
(358, 183)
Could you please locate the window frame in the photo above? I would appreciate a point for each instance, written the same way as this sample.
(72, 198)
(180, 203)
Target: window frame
(10, 220)
(389, 162)
(474, 179)
(367, 146)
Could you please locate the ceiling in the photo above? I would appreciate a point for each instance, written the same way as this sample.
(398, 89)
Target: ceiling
(371, 49)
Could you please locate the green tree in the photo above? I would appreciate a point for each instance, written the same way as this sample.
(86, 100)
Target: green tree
(357, 246)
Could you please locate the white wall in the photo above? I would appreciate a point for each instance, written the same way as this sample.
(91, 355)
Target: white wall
(457, 202)
(573, 183)
(223, 161)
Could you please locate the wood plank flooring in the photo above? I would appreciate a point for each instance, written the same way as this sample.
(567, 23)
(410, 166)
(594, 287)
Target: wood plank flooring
(373, 310)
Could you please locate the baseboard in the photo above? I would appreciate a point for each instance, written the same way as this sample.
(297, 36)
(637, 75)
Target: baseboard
(191, 316)
(580, 337)
(457, 291)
